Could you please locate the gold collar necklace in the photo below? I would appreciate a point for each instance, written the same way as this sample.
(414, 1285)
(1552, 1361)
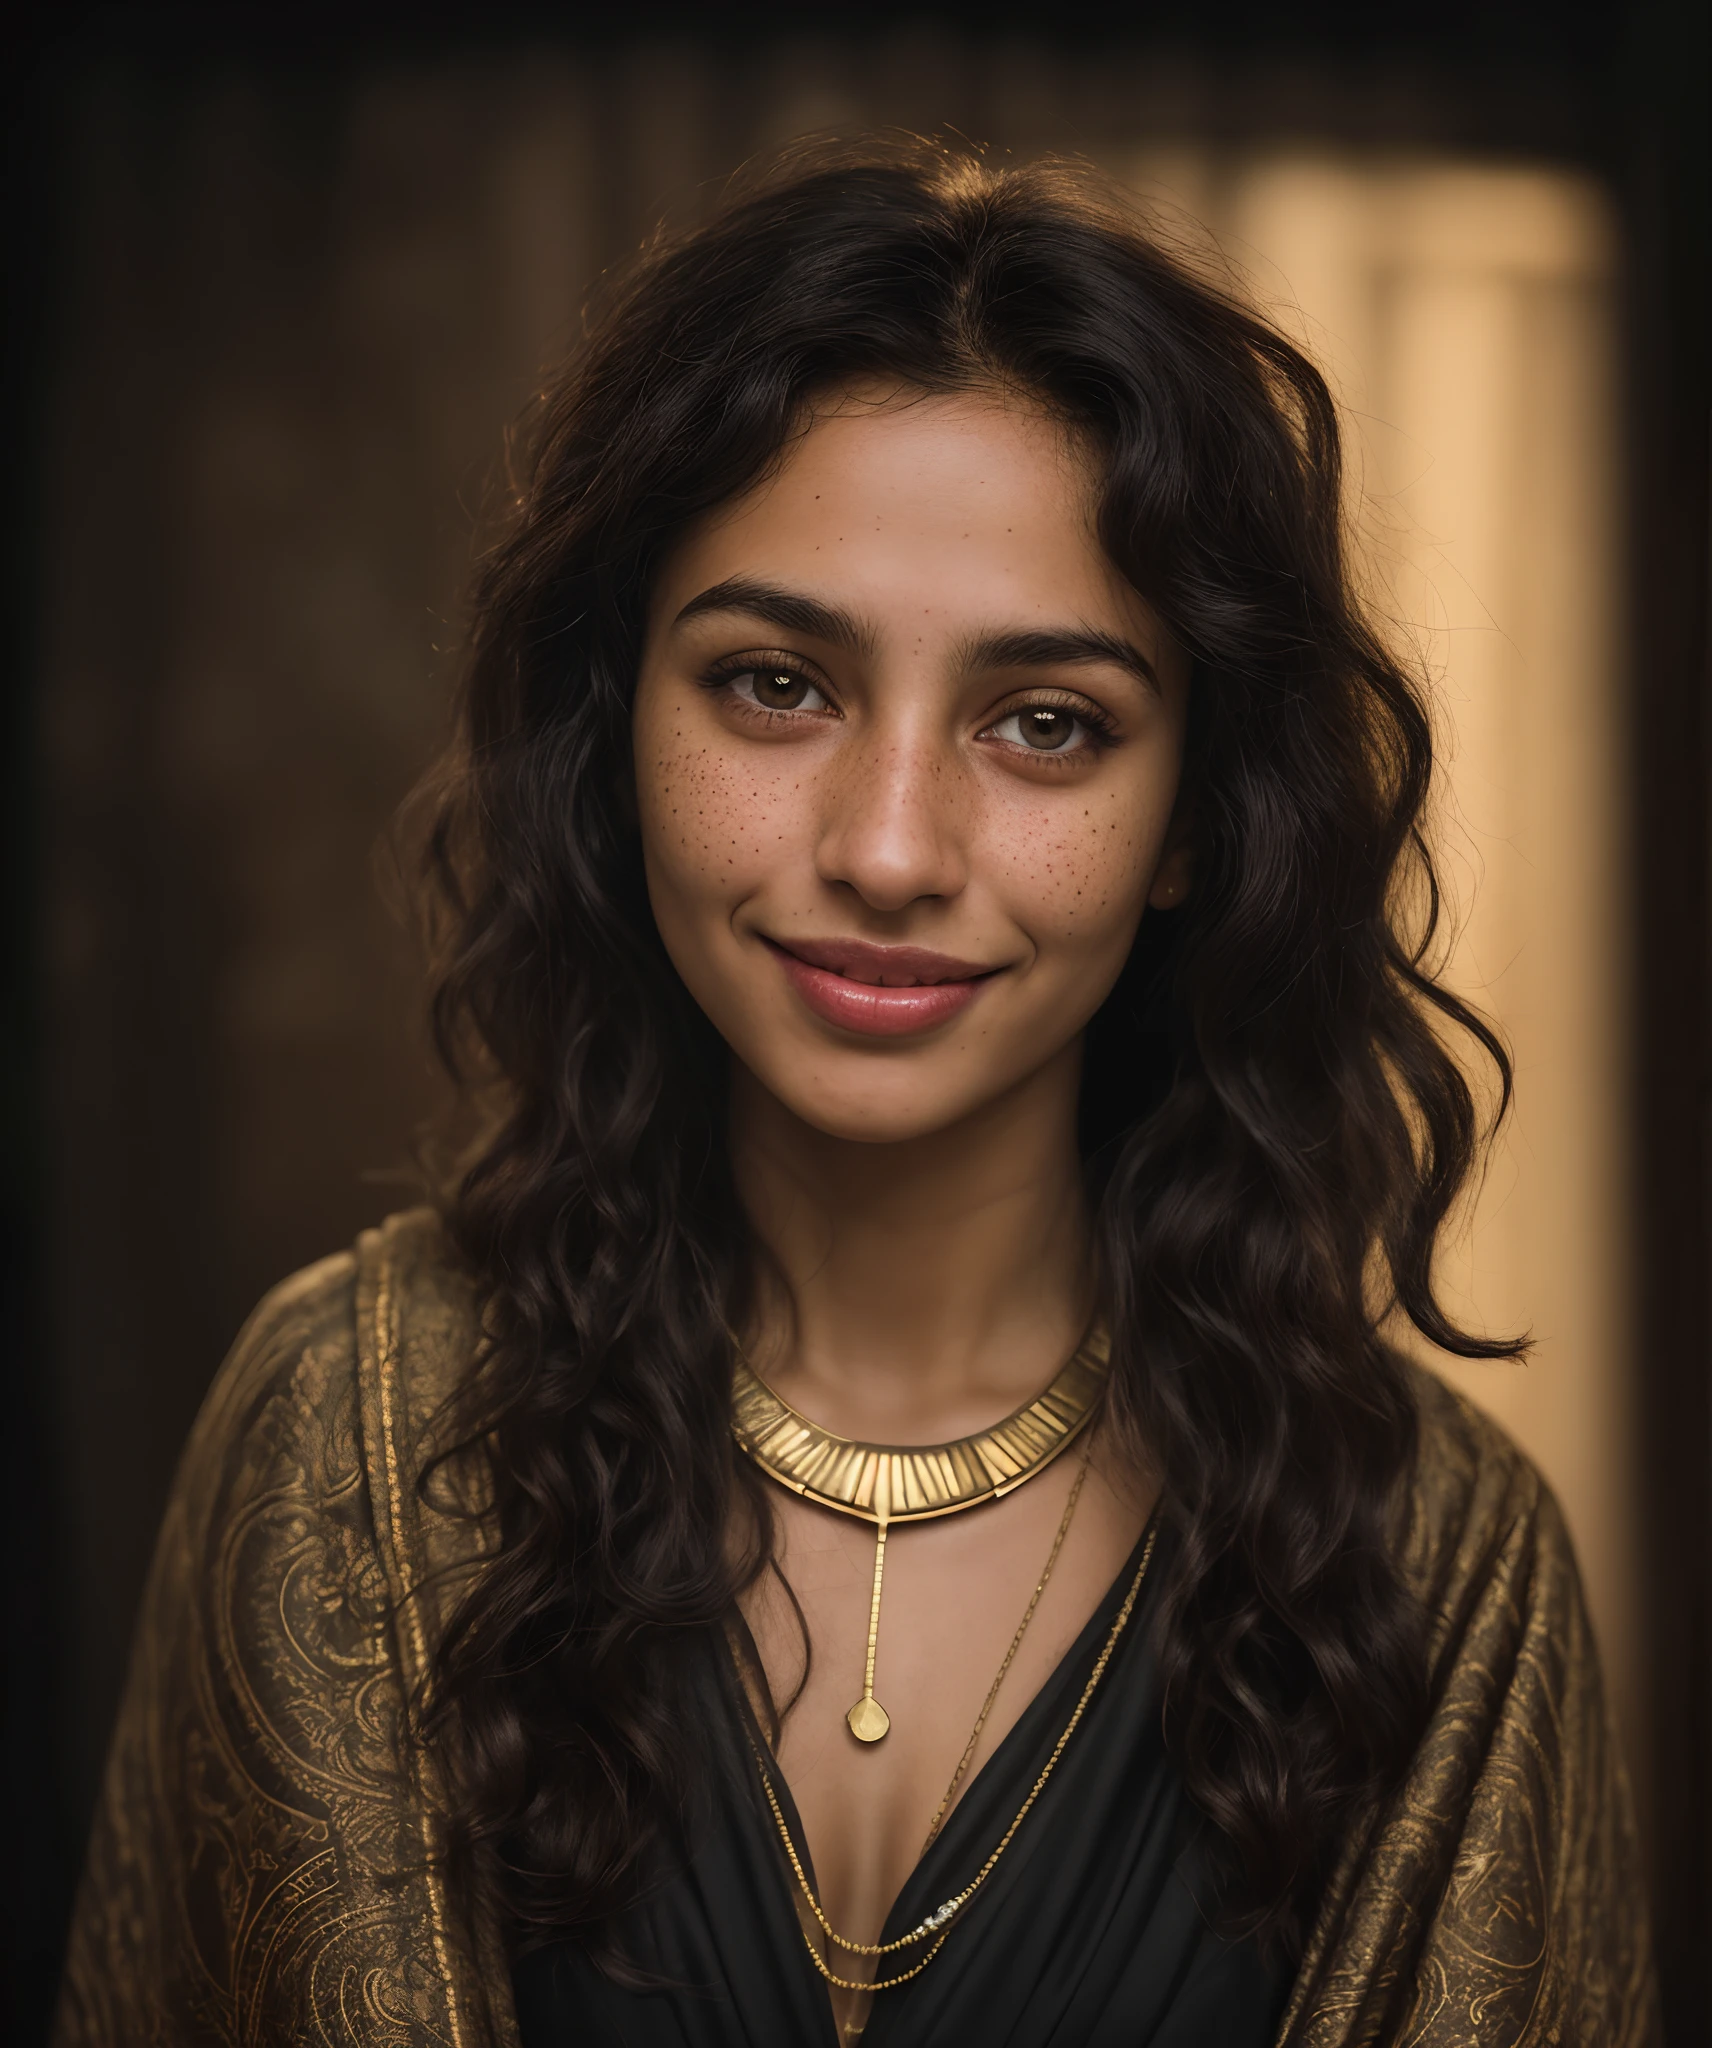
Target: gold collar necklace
(887, 1483)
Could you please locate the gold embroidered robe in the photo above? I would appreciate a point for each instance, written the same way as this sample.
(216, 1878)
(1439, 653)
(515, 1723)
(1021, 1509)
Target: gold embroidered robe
(265, 1861)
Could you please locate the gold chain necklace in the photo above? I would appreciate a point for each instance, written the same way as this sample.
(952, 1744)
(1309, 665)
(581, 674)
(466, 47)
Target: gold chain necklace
(939, 1922)
(814, 1905)
(1009, 1657)
(887, 1483)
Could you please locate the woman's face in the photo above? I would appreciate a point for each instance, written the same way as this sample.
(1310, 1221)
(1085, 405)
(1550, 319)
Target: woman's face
(906, 752)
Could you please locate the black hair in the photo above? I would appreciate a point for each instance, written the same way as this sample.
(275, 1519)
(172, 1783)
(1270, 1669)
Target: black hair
(1274, 1124)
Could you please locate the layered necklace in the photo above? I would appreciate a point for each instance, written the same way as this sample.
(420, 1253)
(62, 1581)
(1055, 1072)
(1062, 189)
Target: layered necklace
(887, 1483)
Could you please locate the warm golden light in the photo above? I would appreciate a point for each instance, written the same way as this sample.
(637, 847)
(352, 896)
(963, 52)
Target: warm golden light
(1465, 316)
(288, 370)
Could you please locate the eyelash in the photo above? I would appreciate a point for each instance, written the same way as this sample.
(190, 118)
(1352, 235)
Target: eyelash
(723, 673)
(1099, 727)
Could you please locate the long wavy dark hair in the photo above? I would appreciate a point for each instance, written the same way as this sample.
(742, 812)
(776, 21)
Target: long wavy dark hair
(1273, 1125)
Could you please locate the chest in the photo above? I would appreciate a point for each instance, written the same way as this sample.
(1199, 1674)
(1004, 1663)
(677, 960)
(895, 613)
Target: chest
(954, 1594)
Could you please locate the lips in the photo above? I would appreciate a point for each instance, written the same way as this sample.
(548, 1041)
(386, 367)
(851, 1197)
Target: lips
(882, 991)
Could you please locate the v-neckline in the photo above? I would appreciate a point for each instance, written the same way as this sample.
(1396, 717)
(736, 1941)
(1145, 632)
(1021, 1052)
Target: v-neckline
(915, 1899)
(1097, 1920)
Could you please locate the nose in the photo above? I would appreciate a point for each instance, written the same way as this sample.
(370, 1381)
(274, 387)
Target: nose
(892, 825)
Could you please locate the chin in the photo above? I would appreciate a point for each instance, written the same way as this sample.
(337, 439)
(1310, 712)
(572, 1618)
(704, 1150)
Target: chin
(871, 1109)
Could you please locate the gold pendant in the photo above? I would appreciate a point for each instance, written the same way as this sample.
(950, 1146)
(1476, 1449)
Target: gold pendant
(886, 1483)
(868, 1720)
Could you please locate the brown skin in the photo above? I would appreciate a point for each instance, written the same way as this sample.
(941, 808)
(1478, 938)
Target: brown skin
(867, 776)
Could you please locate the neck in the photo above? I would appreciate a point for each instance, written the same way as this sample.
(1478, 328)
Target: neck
(913, 1292)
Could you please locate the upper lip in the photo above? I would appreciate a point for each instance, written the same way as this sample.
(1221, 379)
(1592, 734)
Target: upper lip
(882, 966)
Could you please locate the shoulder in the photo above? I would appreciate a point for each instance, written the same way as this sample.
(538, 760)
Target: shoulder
(297, 1363)
(1494, 1897)
(335, 1382)
(296, 1541)
(1468, 1471)
(1485, 1539)
(292, 1365)
(415, 1309)
(260, 1842)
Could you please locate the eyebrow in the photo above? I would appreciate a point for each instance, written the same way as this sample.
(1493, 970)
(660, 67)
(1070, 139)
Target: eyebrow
(796, 612)
(1082, 646)
(791, 609)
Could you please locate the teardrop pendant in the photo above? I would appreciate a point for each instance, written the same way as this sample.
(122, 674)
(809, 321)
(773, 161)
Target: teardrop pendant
(868, 1720)
(912, 1483)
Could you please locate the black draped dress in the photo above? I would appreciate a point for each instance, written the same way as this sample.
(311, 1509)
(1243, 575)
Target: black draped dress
(1092, 1931)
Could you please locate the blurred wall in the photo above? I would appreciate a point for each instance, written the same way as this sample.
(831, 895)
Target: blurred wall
(298, 318)
(1466, 314)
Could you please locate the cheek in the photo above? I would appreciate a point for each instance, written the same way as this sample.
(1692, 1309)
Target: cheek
(1075, 872)
(713, 821)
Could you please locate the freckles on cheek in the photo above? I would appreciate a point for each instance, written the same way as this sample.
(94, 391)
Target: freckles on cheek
(1078, 867)
(717, 818)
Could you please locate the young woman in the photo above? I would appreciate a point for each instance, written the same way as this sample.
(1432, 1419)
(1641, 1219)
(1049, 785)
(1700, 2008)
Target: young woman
(885, 1502)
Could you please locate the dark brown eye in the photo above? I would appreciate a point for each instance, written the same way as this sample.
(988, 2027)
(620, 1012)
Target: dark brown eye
(1046, 729)
(778, 689)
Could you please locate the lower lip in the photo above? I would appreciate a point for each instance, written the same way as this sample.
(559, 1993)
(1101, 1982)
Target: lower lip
(877, 1012)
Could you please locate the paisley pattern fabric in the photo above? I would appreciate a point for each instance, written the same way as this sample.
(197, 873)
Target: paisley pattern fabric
(266, 1861)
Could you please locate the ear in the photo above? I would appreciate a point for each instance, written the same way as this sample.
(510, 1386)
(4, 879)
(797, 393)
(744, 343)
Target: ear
(1172, 877)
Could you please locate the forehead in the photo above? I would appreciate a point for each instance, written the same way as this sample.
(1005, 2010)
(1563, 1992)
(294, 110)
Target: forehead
(880, 435)
(920, 508)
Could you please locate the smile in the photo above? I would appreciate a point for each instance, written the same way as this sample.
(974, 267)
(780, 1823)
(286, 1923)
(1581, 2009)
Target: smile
(882, 991)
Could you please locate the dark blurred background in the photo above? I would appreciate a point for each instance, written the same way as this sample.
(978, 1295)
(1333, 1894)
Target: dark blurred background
(280, 279)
